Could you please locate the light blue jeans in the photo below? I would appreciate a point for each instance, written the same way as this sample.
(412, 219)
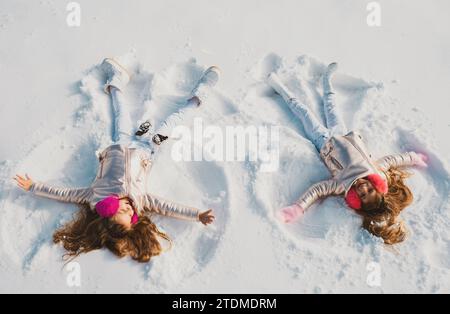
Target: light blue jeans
(315, 131)
(122, 128)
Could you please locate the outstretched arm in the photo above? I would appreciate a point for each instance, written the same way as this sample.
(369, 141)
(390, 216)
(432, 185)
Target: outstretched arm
(319, 190)
(408, 159)
(68, 195)
(171, 209)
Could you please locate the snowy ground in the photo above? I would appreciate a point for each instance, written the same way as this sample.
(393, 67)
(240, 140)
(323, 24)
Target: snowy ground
(392, 87)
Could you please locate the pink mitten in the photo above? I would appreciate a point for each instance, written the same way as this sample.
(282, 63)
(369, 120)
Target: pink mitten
(422, 160)
(291, 213)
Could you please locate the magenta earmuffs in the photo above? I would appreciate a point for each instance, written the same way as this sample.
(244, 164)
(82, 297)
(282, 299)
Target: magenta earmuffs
(352, 199)
(134, 219)
(109, 206)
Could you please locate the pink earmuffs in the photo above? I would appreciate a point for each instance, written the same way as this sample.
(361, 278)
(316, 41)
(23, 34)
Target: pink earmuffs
(109, 206)
(134, 219)
(352, 199)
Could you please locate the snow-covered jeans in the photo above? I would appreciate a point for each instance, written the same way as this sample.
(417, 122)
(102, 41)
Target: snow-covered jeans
(315, 131)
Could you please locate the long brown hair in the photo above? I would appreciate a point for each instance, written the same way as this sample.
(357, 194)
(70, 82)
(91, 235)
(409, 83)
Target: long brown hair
(381, 220)
(88, 232)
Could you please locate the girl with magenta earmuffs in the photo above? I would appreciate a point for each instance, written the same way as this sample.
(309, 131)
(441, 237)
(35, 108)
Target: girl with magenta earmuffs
(116, 209)
(375, 189)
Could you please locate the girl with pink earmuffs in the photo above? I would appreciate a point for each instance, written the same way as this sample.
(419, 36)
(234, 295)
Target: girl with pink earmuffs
(375, 189)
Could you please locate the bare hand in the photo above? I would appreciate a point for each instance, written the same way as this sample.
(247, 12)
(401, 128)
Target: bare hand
(24, 183)
(207, 217)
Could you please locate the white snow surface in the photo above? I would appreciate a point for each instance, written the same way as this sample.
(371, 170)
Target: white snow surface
(392, 86)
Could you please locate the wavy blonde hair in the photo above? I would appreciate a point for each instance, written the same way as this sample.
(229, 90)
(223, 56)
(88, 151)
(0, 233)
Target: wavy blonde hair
(381, 219)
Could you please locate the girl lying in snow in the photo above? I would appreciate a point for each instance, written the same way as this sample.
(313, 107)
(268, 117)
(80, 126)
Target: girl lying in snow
(375, 189)
(117, 206)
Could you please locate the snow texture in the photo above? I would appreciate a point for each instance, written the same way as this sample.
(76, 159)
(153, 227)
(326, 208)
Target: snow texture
(55, 118)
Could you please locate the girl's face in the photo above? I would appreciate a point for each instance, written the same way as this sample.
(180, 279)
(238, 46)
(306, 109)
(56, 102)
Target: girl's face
(366, 191)
(124, 214)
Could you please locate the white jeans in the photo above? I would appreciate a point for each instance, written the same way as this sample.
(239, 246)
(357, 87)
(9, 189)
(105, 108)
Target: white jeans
(123, 132)
(334, 120)
(315, 131)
